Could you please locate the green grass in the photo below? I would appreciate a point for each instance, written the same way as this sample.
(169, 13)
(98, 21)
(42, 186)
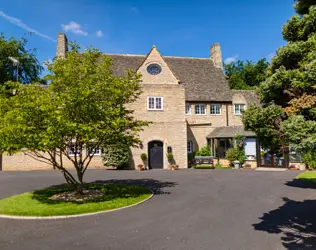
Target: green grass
(210, 167)
(37, 203)
(203, 167)
(307, 176)
(222, 167)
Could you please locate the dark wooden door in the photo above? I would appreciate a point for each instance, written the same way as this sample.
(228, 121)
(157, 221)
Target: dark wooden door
(155, 151)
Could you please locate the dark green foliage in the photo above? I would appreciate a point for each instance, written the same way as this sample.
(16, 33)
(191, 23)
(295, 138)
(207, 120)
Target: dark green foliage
(246, 75)
(288, 95)
(205, 151)
(143, 156)
(265, 122)
(29, 67)
(117, 156)
(170, 157)
(310, 159)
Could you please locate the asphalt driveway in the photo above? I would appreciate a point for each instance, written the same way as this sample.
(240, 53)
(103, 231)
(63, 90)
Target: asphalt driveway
(192, 209)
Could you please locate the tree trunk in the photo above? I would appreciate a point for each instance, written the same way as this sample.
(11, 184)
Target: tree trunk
(79, 187)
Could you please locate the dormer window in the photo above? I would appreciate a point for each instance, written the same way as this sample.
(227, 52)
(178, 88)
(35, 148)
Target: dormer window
(154, 69)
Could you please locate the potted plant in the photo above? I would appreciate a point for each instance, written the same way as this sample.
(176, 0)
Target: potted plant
(292, 167)
(174, 167)
(140, 167)
(170, 160)
(143, 156)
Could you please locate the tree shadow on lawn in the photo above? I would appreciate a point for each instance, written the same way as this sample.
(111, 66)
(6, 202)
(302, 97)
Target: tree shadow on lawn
(295, 221)
(156, 186)
(301, 183)
(128, 188)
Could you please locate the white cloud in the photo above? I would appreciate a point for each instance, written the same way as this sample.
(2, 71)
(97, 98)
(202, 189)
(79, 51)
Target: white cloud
(99, 33)
(229, 60)
(74, 28)
(22, 25)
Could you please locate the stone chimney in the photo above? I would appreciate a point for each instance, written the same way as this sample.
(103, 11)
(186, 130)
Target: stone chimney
(216, 56)
(62, 45)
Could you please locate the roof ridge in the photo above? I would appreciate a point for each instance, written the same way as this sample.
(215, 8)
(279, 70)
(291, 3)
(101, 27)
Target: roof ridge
(179, 57)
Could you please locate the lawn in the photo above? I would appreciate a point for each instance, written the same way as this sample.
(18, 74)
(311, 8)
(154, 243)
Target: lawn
(308, 176)
(210, 167)
(37, 203)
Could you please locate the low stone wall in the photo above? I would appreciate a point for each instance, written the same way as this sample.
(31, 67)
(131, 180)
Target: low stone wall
(23, 162)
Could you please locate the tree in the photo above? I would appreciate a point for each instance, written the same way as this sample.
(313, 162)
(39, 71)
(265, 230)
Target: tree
(246, 75)
(83, 104)
(29, 68)
(288, 94)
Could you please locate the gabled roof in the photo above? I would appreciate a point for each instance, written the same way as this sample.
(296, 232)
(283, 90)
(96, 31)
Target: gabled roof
(250, 96)
(230, 132)
(202, 80)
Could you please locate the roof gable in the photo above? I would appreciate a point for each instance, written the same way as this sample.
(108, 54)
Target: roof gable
(201, 79)
(164, 77)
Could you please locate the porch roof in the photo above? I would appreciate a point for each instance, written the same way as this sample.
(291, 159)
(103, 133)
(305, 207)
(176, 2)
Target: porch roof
(230, 132)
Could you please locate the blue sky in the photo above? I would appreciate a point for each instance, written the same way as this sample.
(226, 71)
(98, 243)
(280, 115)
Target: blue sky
(246, 29)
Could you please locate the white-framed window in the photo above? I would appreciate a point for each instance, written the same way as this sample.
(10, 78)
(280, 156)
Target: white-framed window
(71, 150)
(215, 109)
(187, 108)
(190, 146)
(92, 149)
(200, 109)
(251, 148)
(239, 108)
(154, 103)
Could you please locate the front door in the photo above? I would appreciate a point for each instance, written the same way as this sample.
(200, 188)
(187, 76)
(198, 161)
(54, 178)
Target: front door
(155, 152)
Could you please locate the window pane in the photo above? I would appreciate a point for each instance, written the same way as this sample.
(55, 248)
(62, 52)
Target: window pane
(197, 109)
(215, 109)
(202, 109)
(187, 108)
(151, 103)
(158, 103)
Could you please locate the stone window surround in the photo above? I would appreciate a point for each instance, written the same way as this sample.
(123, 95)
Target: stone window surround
(214, 109)
(240, 109)
(155, 103)
(200, 104)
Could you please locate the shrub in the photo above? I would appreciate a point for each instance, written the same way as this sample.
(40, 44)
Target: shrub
(310, 159)
(231, 155)
(241, 156)
(143, 156)
(117, 156)
(170, 157)
(205, 151)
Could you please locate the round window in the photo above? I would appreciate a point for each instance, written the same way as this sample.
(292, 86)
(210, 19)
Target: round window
(154, 69)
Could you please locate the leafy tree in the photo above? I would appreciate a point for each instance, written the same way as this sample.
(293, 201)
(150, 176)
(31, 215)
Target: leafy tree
(288, 95)
(246, 75)
(84, 103)
(29, 68)
(117, 156)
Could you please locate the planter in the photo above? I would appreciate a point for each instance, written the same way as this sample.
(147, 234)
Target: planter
(140, 167)
(236, 164)
(170, 167)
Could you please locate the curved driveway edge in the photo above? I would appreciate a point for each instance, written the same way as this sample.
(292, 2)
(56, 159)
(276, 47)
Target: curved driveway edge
(71, 216)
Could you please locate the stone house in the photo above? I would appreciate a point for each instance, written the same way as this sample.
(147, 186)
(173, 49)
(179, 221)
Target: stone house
(188, 102)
